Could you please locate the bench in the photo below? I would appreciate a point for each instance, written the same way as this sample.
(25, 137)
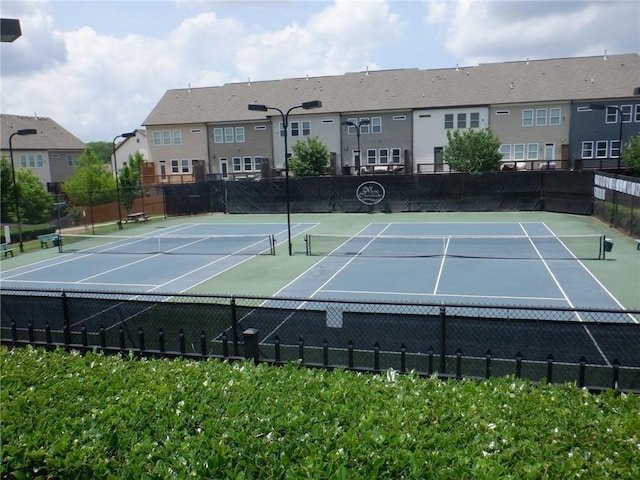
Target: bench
(136, 217)
(4, 248)
(638, 242)
(46, 238)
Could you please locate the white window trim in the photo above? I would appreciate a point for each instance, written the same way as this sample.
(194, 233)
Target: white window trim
(586, 146)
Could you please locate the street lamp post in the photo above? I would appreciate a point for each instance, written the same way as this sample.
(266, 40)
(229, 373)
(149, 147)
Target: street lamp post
(600, 106)
(115, 170)
(25, 131)
(285, 124)
(357, 125)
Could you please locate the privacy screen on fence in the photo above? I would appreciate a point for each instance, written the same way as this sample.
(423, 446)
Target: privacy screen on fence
(559, 191)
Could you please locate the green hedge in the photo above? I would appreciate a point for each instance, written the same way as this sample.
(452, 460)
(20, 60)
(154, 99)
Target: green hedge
(71, 416)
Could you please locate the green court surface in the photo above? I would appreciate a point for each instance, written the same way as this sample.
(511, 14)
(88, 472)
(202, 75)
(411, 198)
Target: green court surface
(269, 275)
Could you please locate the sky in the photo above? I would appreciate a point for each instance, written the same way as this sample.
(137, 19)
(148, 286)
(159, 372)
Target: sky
(98, 68)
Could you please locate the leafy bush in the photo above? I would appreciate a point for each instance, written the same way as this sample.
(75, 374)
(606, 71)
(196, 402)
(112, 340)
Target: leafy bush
(71, 416)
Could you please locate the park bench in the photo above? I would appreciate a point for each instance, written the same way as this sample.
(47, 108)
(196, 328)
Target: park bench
(4, 248)
(46, 238)
(136, 217)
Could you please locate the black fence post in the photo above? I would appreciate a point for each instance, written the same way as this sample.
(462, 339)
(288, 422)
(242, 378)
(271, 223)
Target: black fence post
(581, 374)
(141, 340)
(47, 335)
(85, 337)
(121, 338)
(443, 339)
(183, 343)
(430, 360)
(459, 364)
(30, 333)
(203, 344)
(251, 342)
(225, 345)
(518, 365)
(161, 341)
(276, 345)
(14, 331)
(234, 325)
(615, 374)
(350, 347)
(301, 349)
(550, 369)
(403, 358)
(376, 357)
(487, 370)
(67, 322)
(325, 352)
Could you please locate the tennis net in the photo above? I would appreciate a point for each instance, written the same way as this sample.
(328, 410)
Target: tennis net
(170, 244)
(564, 247)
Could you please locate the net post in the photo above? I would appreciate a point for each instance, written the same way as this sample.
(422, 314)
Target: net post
(307, 244)
(443, 339)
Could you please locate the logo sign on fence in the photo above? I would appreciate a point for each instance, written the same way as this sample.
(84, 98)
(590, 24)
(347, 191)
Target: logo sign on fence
(370, 193)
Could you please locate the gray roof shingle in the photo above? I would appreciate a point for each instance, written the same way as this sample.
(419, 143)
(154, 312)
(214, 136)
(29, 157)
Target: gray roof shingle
(559, 79)
(50, 136)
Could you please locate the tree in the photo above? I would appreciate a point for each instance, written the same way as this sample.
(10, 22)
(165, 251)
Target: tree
(311, 158)
(130, 177)
(6, 188)
(35, 203)
(91, 182)
(104, 150)
(472, 151)
(631, 154)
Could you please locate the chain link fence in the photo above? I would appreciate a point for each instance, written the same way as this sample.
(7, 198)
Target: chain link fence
(617, 202)
(588, 346)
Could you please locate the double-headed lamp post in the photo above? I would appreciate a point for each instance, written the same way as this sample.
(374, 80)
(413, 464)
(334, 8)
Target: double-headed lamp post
(115, 170)
(285, 125)
(601, 106)
(357, 125)
(25, 131)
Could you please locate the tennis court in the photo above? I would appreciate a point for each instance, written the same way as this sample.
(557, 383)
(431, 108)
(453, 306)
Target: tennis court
(172, 259)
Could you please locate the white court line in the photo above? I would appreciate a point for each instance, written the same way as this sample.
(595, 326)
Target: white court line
(451, 295)
(564, 294)
(444, 257)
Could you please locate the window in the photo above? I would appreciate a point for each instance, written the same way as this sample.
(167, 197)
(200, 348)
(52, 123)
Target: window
(327, 121)
(399, 117)
(218, 136)
(157, 138)
(587, 150)
(474, 120)
(69, 160)
(626, 113)
(611, 115)
(175, 166)
(39, 161)
(177, 137)
(462, 120)
(601, 149)
(23, 161)
(384, 155)
(614, 148)
(376, 125)
(532, 151)
(184, 165)
(281, 129)
(505, 150)
(196, 130)
(247, 164)
(260, 127)
(295, 129)
(518, 151)
(351, 129)
(306, 128)
(371, 156)
(166, 137)
(527, 118)
(448, 120)
(240, 134)
(228, 134)
(237, 165)
(555, 116)
(257, 163)
(541, 117)
(396, 155)
(637, 113)
(364, 128)
(503, 112)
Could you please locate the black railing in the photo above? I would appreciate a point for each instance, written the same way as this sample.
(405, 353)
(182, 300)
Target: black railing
(593, 348)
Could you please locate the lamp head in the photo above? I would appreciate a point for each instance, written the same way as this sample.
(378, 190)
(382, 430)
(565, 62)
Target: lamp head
(311, 104)
(256, 107)
(27, 131)
(128, 134)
